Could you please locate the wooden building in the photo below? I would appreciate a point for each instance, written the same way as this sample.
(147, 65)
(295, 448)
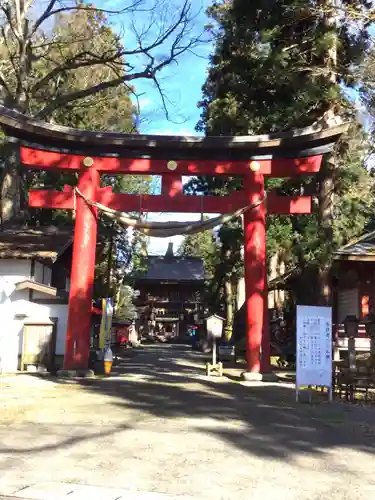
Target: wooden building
(34, 287)
(353, 279)
(169, 294)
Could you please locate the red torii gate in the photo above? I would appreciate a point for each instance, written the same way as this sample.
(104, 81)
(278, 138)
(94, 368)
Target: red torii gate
(91, 154)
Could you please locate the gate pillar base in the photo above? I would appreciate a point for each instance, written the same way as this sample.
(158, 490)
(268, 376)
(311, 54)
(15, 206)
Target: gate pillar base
(75, 374)
(259, 377)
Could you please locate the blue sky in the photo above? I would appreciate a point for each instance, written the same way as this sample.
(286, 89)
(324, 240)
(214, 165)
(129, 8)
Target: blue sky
(181, 83)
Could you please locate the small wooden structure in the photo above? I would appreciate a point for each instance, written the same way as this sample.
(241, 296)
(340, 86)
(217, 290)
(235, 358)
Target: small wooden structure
(356, 372)
(353, 280)
(39, 343)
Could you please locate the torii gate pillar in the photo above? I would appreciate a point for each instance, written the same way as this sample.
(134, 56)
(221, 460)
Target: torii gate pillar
(257, 332)
(77, 343)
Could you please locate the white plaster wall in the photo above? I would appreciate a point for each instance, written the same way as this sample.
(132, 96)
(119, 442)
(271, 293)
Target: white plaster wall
(39, 295)
(12, 271)
(15, 270)
(60, 311)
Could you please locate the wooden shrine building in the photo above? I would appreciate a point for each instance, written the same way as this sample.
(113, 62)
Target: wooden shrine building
(169, 294)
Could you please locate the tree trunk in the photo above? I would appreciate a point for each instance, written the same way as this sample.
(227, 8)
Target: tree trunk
(12, 185)
(327, 173)
(326, 202)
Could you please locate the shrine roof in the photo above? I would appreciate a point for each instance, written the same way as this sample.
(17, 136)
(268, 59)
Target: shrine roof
(45, 243)
(362, 248)
(173, 269)
(295, 143)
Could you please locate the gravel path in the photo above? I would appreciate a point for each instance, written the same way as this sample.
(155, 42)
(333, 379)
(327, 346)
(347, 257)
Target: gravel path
(159, 425)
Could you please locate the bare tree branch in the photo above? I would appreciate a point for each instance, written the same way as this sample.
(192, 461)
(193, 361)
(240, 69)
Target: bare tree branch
(62, 100)
(168, 30)
(49, 12)
(77, 62)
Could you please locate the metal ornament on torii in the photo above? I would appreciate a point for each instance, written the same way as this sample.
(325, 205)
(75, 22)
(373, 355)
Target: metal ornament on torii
(51, 147)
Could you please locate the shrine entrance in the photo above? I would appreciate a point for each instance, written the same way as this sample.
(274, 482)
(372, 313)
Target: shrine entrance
(46, 146)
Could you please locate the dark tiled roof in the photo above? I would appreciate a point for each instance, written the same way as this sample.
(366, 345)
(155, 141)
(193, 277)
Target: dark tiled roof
(40, 243)
(173, 269)
(363, 246)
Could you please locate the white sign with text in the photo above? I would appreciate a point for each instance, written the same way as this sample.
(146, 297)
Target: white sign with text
(314, 346)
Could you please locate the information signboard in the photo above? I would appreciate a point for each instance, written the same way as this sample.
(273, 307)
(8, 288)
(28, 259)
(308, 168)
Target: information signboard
(314, 347)
(215, 326)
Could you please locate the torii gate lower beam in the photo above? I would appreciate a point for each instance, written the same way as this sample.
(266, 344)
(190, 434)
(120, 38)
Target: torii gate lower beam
(171, 200)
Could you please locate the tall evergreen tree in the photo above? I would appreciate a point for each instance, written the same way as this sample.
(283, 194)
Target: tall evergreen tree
(279, 65)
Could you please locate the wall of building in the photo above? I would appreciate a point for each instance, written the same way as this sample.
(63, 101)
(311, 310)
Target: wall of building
(60, 311)
(354, 292)
(16, 309)
(15, 270)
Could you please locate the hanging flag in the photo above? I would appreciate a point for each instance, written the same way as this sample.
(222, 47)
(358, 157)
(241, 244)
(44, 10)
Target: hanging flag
(102, 332)
(106, 323)
(109, 317)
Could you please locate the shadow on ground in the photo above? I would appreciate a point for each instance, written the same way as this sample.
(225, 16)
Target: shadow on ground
(60, 440)
(168, 382)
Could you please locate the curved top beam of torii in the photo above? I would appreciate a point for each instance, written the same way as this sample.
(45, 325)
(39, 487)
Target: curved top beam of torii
(295, 143)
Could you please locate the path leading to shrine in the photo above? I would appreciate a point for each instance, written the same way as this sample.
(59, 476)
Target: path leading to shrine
(160, 426)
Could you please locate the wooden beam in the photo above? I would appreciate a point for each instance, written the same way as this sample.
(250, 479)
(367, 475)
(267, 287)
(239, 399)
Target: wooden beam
(167, 203)
(25, 127)
(279, 167)
(355, 258)
(38, 287)
(171, 185)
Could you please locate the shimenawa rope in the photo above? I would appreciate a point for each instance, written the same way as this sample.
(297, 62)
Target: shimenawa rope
(171, 228)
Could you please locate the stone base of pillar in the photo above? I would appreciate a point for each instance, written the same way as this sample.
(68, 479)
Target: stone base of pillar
(259, 377)
(75, 374)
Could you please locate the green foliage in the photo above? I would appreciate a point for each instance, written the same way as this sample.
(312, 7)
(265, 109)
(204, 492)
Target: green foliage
(269, 69)
(202, 245)
(125, 308)
(279, 65)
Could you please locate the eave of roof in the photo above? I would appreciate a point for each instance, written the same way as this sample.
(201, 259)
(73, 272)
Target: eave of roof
(37, 287)
(168, 281)
(44, 244)
(299, 142)
(358, 249)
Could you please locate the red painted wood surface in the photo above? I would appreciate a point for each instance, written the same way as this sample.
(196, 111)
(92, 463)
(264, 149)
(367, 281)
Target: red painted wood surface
(77, 343)
(283, 167)
(171, 185)
(255, 277)
(171, 203)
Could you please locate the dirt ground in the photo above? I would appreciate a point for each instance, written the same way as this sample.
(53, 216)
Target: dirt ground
(160, 425)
